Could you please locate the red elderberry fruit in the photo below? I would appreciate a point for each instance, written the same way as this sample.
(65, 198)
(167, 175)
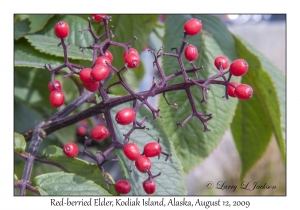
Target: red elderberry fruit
(109, 55)
(70, 149)
(223, 60)
(92, 87)
(98, 17)
(57, 85)
(81, 130)
(231, 89)
(99, 72)
(123, 187)
(191, 53)
(193, 26)
(131, 151)
(152, 149)
(125, 116)
(131, 50)
(57, 98)
(99, 133)
(85, 75)
(243, 92)
(149, 186)
(103, 60)
(61, 29)
(132, 60)
(239, 67)
(143, 163)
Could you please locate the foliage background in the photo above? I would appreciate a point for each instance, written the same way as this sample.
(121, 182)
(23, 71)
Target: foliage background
(31, 97)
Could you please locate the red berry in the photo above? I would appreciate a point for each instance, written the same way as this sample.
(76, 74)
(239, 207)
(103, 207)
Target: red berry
(131, 50)
(103, 60)
(109, 55)
(123, 186)
(230, 89)
(143, 163)
(81, 130)
(191, 52)
(132, 60)
(193, 26)
(131, 151)
(239, 67)
(61, 29)
(85, 75)
(56, 84)
(243, 92)
(99, 133)
(152, 149)
(70, 149)
(92, 87)
(149, 186)
(125, 116)
(98, 17)
(99, 72)
(223, 60)
(57, 98)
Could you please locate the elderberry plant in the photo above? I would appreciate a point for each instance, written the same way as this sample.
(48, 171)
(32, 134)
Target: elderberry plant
(125, 118)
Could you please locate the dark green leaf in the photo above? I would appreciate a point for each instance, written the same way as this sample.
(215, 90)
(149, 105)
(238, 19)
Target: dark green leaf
(77, 166)
(278, 78)
(21, 28)
(191, 143)
(27, 56)
(48, 45)
(60, 183)
(171, 180)
(38, 22)
(259, 116)
(19, 143)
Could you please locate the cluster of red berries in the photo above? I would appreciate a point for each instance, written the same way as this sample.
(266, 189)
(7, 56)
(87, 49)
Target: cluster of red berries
(142, 163)
(91, 77)
(238, 67)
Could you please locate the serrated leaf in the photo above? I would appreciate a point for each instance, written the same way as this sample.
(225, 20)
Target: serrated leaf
(19, 143)
(48, 45)
(77, 166)
(27, 56)
(171, 181)
(59, 183)
(37, 22)
(191, 143)
(266, 117)
(278, 78)
(21, 28)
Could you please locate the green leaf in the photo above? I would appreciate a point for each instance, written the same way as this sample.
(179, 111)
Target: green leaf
(59, 183)
(21, 28)
(31, 88)
(191, 143)
(19, 143)
(38, 22)
(77, 166)
(278, 78)
(27, 56)
(171, 181)
(48, 45)
(259, 116)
